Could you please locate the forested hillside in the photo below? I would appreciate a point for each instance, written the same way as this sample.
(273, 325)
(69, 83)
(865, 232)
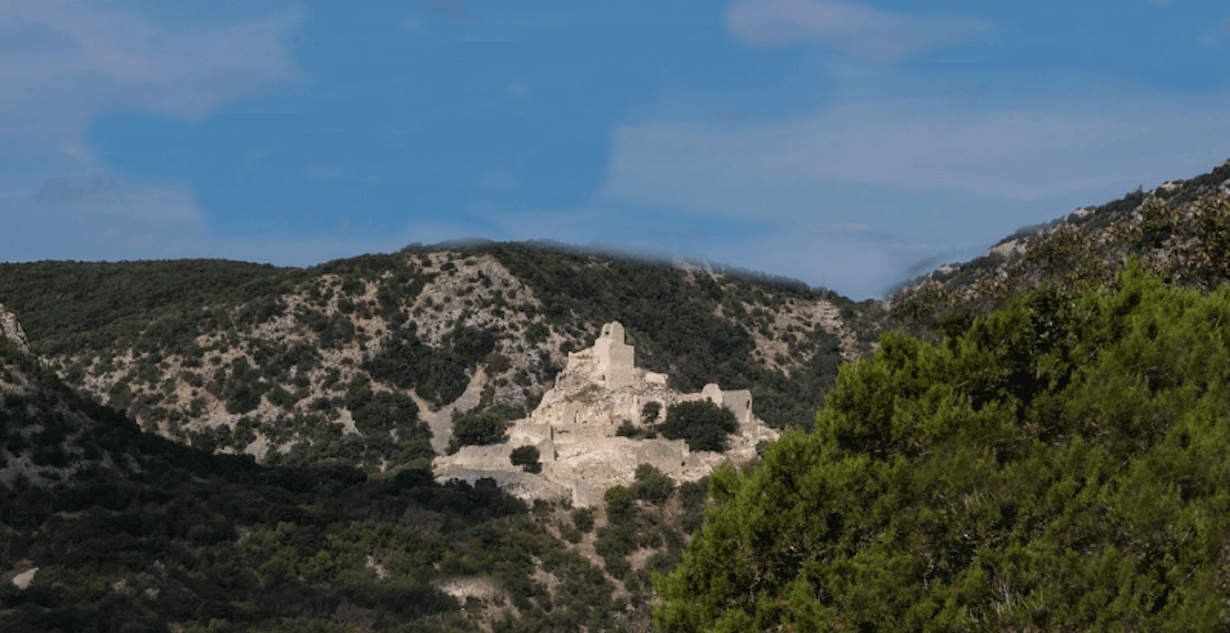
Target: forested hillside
(106, 528)
(341, 360)
(1060, 465)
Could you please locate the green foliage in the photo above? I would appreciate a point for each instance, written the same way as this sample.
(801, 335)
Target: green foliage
(436, 373)
(627, 429)
(199, 542)
(618, 503)
(650, 412)
(479, 429)
(68, 306)
(1213, 230)
(652, 485)
(1060, 465)
(703, 424)
(536, 333)
(525, 456)
(378, 414)
(583, 519)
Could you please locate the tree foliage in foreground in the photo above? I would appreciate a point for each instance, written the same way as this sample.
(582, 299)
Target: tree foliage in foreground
(1059, 466)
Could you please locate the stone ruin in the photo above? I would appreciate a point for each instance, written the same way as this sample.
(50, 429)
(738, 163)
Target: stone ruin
(574, 429)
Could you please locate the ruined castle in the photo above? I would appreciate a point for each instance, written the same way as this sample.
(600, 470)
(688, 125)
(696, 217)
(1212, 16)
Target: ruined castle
(574, 429)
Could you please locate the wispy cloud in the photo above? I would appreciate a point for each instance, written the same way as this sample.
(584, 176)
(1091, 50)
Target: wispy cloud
(875, 183)
(848, 27)
(1010, 153)
(61, 190)
(69, 61)
(80, 58)
(452, 9)
(131, 220)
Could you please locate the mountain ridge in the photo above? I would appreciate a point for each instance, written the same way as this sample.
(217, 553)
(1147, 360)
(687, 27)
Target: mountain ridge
(289, 357)
(1180, 229)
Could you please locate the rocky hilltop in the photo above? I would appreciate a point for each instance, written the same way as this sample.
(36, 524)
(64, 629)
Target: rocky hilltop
(1180, 230)
(575, 430)
(10, 330)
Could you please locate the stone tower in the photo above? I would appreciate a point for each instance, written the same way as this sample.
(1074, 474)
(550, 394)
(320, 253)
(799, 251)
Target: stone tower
(615, 357)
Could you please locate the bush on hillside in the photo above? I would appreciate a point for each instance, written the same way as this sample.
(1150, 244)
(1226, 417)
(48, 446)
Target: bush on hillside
(525, 456)
(652, 485)
(703, 424)
(477, 430)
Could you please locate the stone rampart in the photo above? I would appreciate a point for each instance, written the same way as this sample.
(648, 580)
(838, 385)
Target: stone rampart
(739, 402)
(666, 455)
(520, 484)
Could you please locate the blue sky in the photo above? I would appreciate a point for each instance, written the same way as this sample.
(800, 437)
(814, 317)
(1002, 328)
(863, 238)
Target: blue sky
(847, 144)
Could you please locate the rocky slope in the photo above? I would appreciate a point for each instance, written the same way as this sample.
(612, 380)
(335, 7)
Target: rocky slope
(1180, 230)
(51, 435)
(104, 527)
(299, 366)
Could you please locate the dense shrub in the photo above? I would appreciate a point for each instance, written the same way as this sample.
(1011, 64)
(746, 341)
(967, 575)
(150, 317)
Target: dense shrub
(477, 430)
(650, 412)
(652, 485)
(619, 500)
(583, 518)
(525, 456)
(703, 424)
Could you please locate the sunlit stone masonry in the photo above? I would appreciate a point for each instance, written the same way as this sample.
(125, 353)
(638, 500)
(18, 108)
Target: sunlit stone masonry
(574, 429)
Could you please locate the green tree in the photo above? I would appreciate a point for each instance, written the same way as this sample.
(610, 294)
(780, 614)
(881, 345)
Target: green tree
(1059, 465)
(650, 412)
(703, 424)
(525, 456)
(477, 430)
(652, 485)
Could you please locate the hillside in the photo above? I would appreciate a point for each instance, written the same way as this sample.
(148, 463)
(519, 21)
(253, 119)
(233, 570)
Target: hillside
(296, 366)
(104, 527)
(211, 445)
(1180, 230)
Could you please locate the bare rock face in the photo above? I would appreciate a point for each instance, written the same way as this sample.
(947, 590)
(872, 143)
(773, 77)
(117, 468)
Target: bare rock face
(10, 329)
(574, 429)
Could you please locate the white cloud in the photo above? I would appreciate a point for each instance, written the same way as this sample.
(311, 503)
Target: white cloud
(874, 183)
(72, 219)
(71, 60)
(845, 26)
(65, 62)
(1010, 153)
(125, 220)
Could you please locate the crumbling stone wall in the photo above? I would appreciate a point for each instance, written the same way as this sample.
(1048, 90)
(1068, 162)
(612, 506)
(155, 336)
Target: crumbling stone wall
(575, 424)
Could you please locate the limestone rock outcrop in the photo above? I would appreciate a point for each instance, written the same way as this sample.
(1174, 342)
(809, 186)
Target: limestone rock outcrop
(574, 429)
(10, 329)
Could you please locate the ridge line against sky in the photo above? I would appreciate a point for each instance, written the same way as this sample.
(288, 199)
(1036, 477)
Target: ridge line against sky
(841, 143)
